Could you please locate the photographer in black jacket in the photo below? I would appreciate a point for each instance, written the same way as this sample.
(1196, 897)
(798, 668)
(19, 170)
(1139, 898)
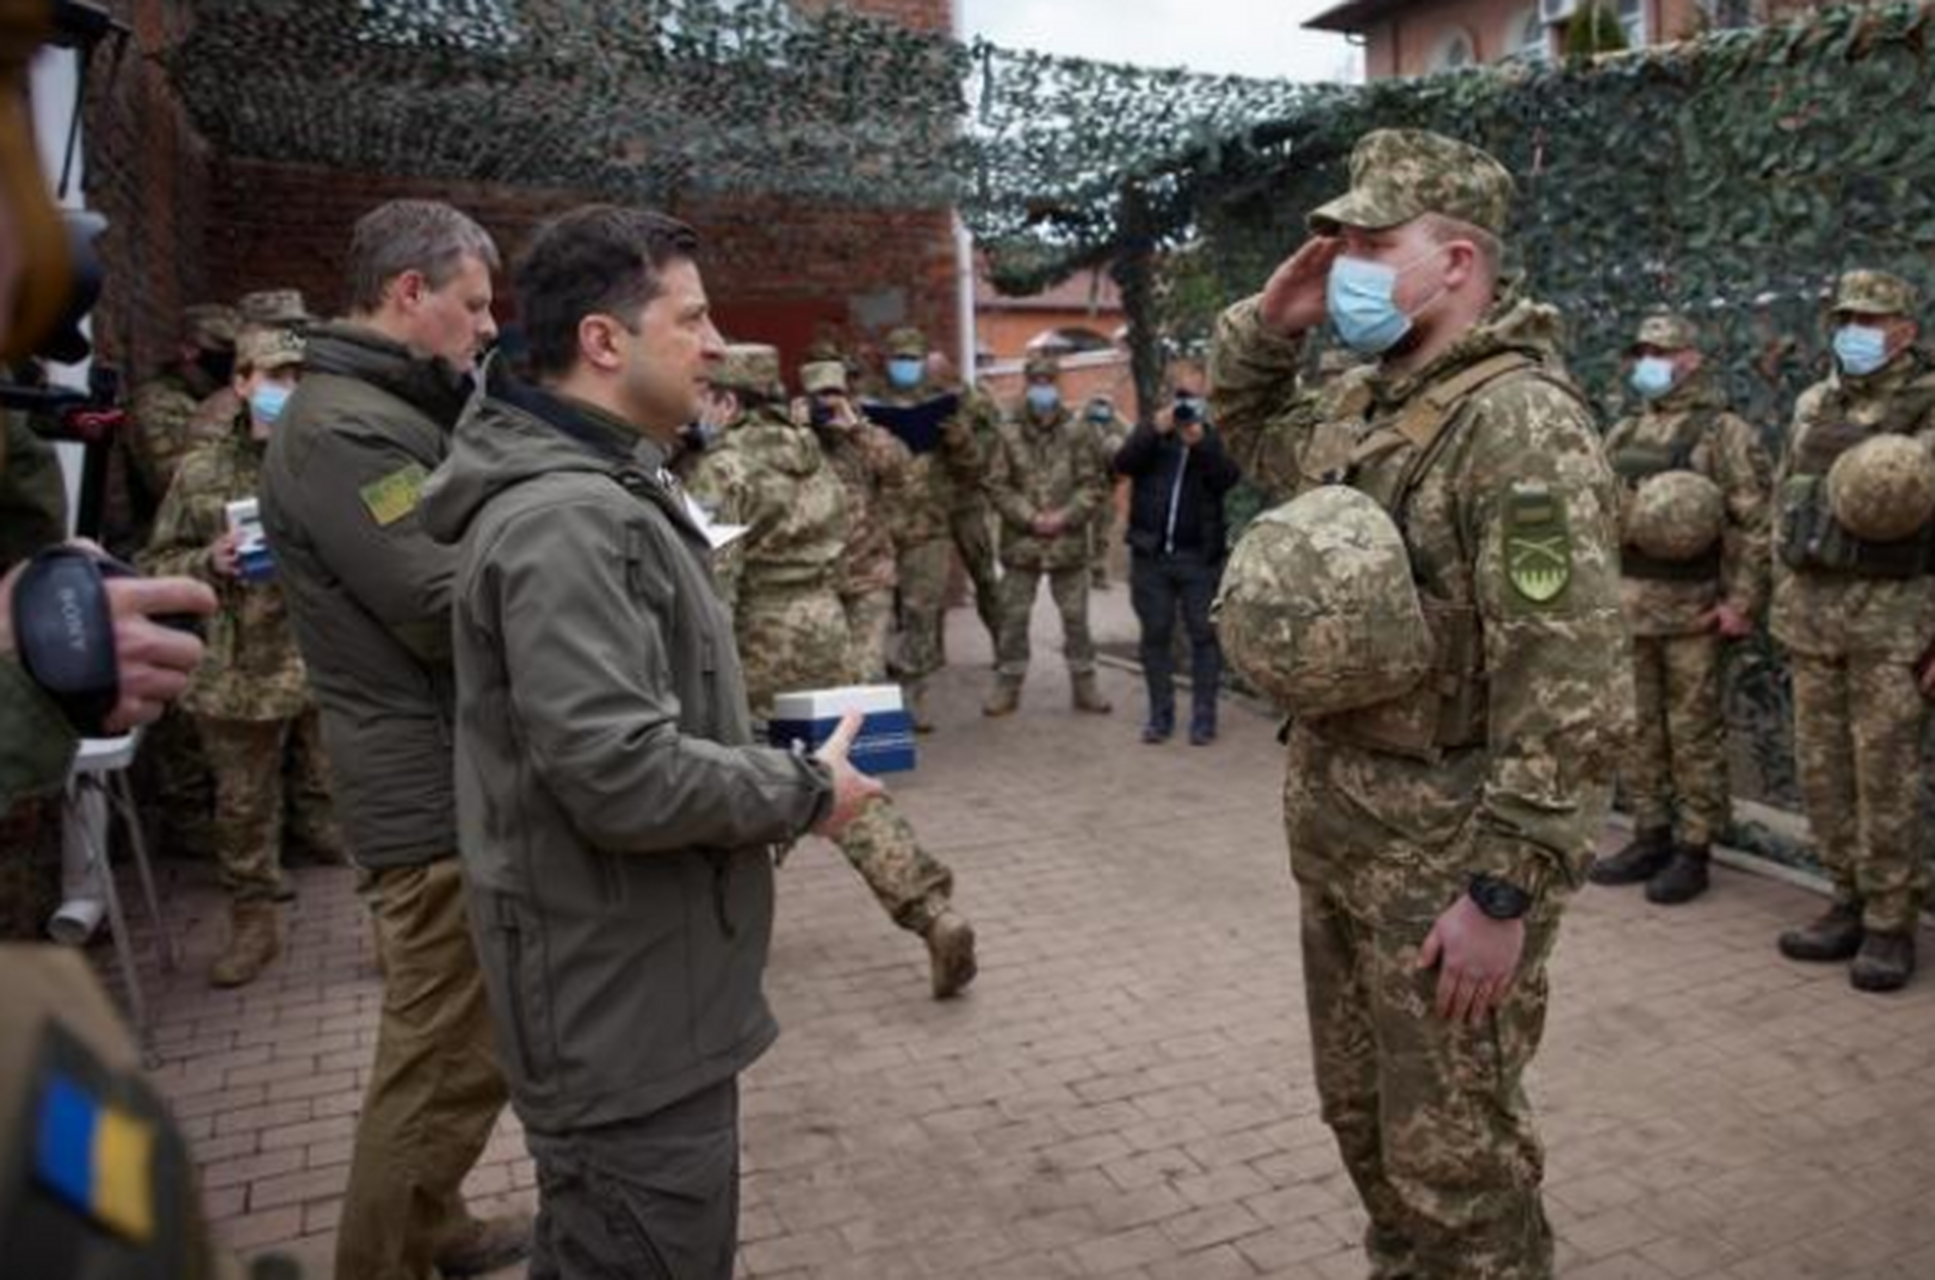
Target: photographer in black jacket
(1179, 475)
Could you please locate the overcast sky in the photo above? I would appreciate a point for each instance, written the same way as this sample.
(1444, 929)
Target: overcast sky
(1242, 37)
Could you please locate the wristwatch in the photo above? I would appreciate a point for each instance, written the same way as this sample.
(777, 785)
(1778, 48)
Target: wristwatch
(1498, 899)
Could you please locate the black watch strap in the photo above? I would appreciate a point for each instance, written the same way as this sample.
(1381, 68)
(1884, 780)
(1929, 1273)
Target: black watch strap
(1499, 899)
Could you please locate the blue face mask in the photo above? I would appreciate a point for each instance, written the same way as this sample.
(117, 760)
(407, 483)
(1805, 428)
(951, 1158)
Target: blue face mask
(1361, 299)
(1652, 376)
(1043, 399)
(906, 372)
(268, 401)
(1860, 348)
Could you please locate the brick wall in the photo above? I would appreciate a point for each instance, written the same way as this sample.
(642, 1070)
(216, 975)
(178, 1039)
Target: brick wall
(188, 226)
(147, 172)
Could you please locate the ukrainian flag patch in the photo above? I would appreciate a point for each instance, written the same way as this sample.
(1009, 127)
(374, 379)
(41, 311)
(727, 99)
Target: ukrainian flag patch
(96, 1157)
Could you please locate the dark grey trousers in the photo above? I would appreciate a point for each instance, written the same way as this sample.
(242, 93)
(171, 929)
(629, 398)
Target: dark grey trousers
(650, 1199)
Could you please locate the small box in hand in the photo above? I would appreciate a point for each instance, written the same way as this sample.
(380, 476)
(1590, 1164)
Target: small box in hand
(253, 561)
(886, 741)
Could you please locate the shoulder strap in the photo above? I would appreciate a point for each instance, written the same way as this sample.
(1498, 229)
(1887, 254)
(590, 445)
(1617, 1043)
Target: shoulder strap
(1423, 420)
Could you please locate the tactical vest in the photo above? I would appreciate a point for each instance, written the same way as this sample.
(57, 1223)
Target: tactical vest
(1811, 540)
(1635, 463)
(1447, 709)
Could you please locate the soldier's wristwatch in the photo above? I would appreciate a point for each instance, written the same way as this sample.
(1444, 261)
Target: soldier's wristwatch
(1498, 899)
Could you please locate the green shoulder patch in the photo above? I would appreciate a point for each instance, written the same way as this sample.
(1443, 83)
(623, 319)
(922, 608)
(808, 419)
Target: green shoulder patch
(394, 496)
(1538, 544)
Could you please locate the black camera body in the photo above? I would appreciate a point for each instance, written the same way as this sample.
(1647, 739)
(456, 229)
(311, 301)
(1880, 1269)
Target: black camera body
(1187, 413)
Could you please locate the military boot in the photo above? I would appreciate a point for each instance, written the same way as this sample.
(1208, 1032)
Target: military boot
(915, 692)
(1006, 698)
(950, 953)
(252, 944)
(1088, 697)
(481, 1245)
(1834, 935)
(1885, 962)
(1642, 859)
(1683, 879)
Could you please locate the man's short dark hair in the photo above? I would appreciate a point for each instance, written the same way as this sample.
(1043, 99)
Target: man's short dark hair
(601, 259)
(411, 235)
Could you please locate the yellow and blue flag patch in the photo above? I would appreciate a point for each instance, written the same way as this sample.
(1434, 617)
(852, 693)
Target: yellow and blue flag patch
(96, 1157)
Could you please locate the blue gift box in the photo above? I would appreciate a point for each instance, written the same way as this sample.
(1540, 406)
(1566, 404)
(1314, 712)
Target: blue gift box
(886, 741)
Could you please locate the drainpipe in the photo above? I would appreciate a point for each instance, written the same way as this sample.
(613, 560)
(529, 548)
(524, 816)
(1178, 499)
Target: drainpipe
(963, 251)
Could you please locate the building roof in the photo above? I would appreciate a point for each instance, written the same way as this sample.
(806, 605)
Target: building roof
(1090, 291)
(1356, 15)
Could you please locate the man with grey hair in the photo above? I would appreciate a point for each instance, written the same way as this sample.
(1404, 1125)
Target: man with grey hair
(369, 595)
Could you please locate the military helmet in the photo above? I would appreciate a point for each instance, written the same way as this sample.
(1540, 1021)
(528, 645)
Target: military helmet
(1883, 489)
(1318, 608)
(751, 368)
(1675, 516)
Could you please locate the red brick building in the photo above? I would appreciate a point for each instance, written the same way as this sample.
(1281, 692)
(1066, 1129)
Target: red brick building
(188, 224)
(1419, 37)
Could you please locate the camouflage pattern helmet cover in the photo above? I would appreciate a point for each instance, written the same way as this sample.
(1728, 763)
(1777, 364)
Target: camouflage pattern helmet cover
(1883, 489)
(1318, 608)
(1874, 293)
(1676, 516)
(1400, 174)
(906, 341)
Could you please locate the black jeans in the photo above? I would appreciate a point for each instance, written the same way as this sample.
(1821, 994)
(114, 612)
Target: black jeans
(1159, 586)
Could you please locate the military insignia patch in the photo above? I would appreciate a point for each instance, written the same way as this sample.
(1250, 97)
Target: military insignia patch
(394, 496)
(1538, 545)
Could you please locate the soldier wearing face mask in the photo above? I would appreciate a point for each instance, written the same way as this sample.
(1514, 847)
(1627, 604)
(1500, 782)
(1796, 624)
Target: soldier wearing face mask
(1048, 477)
(1854, 606)
(1439, 611)
(1693, 575)
(164, 408)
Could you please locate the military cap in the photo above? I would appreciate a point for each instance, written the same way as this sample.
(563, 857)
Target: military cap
(264, 347)
(906, 341)
(1041, 364)
(1400, 174)
(1667, 331)
(1874, 293)
(285, 307)
(749, 366)
(823, 375)
(210, 326)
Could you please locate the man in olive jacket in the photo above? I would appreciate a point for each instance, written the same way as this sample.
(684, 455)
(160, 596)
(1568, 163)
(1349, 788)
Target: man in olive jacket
(617, 825)
(368, 594)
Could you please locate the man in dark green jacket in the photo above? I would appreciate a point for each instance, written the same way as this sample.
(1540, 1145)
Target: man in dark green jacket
(617, 824)
(368, 593)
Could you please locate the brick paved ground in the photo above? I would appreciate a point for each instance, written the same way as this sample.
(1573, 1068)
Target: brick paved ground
(1126, 1092)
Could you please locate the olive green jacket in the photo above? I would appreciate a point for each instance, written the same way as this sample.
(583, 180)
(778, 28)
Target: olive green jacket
(368, 590)
(616, 822)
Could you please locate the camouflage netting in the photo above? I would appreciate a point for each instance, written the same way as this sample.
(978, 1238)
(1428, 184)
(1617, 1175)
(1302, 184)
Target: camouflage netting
(663, 99)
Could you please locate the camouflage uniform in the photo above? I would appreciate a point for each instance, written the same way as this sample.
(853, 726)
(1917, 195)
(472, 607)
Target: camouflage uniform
(250, 697)
(1498, 763)
(1045, 464)
(280, 309)
(162, 426)
(1678, 757)
(781, 582)
(1111, 433)
(1855, 625)
(922, 534)
(873, 465)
